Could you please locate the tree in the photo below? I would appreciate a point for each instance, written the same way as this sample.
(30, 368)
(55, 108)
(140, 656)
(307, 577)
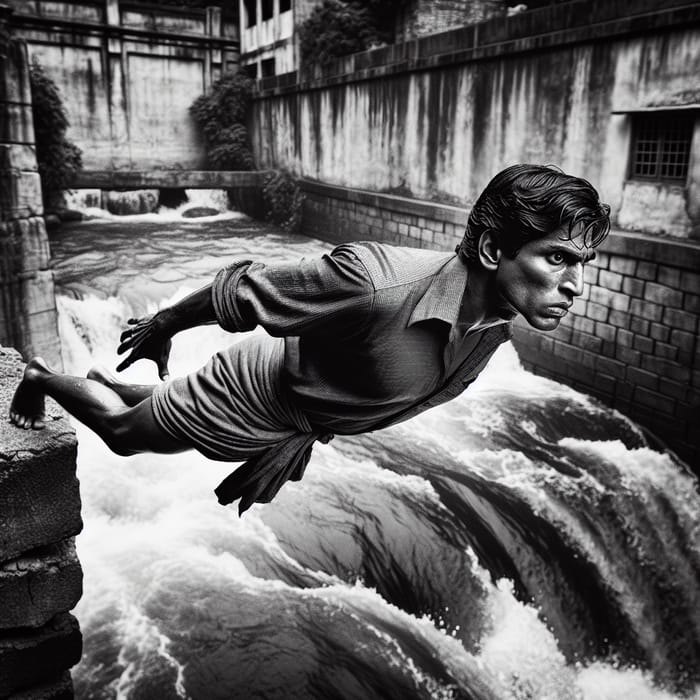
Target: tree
(221, 115)
(337, 28)
(58, 158)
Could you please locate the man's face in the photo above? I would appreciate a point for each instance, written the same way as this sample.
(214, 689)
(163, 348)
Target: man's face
(544, 277)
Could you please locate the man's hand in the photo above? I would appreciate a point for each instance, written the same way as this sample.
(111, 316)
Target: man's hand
(147, 339)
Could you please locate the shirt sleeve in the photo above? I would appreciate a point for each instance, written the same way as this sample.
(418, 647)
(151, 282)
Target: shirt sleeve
(294, 298)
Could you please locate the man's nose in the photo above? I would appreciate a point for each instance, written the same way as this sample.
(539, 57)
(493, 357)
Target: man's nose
(572, 281)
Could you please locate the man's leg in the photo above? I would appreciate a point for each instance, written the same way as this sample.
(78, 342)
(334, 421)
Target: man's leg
(130, 394)
(126, 430)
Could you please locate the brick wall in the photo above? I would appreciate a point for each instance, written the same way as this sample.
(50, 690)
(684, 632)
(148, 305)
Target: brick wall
(632, 339)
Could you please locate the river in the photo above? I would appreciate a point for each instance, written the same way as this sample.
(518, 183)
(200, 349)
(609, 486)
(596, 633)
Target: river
(521, 542)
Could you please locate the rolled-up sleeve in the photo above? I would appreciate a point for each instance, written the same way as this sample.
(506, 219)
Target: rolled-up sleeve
(289, 299)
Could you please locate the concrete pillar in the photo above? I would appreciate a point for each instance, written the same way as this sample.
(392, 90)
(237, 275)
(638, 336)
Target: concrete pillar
(27, 302)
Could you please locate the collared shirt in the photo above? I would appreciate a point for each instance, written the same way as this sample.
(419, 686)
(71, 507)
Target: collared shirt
(371, 330)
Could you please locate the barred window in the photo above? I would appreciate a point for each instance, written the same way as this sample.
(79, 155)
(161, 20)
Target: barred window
(661, 146)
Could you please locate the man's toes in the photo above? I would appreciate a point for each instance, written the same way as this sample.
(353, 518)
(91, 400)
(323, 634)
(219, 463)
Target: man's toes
(38, 423)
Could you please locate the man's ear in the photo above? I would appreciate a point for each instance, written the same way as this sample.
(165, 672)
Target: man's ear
(489, 252)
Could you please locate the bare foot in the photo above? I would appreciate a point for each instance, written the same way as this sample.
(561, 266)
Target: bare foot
(27, 407)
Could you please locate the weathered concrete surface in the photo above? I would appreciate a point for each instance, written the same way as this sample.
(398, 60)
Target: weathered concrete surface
(27, 303)
(32, 657)
(37, 586)
(39, 496)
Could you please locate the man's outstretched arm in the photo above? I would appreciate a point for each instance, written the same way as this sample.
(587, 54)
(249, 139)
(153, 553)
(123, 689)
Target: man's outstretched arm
(149, 337)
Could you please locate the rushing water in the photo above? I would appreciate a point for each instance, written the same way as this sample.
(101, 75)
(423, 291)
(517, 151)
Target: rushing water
(521, 542)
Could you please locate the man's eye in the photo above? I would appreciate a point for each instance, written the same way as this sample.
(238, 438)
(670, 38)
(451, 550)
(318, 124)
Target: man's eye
(556, 258)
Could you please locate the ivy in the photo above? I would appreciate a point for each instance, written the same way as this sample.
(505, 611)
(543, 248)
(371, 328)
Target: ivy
(221, 114)
(284, 200)
(58, 158)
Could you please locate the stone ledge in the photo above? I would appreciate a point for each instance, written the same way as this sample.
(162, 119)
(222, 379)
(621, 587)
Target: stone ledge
(60, 689)
(39, 495)
(188, 179)
(37, 586)
(32, 657)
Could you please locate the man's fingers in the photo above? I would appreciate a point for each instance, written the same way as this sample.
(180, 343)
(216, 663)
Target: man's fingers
(123, 365)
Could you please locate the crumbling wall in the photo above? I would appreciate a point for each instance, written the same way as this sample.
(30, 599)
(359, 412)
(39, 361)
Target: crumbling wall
(40, 575)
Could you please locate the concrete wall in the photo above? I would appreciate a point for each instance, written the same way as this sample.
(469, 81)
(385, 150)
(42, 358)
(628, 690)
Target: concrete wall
(127, 73)
(40, 575)
(27, 304)
(556, 85)
(421, 17)
(631, 339)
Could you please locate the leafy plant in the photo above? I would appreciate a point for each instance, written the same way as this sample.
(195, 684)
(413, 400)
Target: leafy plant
(221, 115)
(284, 200)
(58, 158)
(340, 27)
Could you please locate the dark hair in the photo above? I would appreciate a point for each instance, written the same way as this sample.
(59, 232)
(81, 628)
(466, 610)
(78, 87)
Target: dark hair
(525, 202)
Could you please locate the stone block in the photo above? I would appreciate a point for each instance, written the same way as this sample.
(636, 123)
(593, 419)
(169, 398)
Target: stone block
(625, 338)
(670, 276)
(646, 270)
(20, 195)
(610, 280)
(646, 309)
(605, 331)
(643, 344)
(611, 367)
(661, 294)
(682, 320)
(625, 266)
(597, 312)
(59, 689)
(621, 319)
(690, 282)
(628, 355)
(655, 400)
(18, 126)
(39, 496)
(633, 287)
(29, 657)
(659, 332)
(37, 586)
(691, 302)
(666, 351)
(666, 368)
(642, 378)
(19, 156)
(639, 326)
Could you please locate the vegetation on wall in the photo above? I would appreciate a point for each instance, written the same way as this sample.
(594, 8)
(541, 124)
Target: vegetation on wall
(340, 27)
(221, 114)
(58, 158)
(284, 201)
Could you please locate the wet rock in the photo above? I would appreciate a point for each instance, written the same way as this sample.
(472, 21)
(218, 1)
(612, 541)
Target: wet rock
(132, 202)
(29, 657)
(36, 586)
(70, 215)
(196, 212)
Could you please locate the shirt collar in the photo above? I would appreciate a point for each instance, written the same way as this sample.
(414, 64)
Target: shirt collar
(443, 298)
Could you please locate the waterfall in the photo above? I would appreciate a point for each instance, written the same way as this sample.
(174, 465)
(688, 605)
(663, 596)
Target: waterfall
(522, 541)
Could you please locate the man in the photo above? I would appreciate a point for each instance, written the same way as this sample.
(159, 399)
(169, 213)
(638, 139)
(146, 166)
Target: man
(359, 339)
